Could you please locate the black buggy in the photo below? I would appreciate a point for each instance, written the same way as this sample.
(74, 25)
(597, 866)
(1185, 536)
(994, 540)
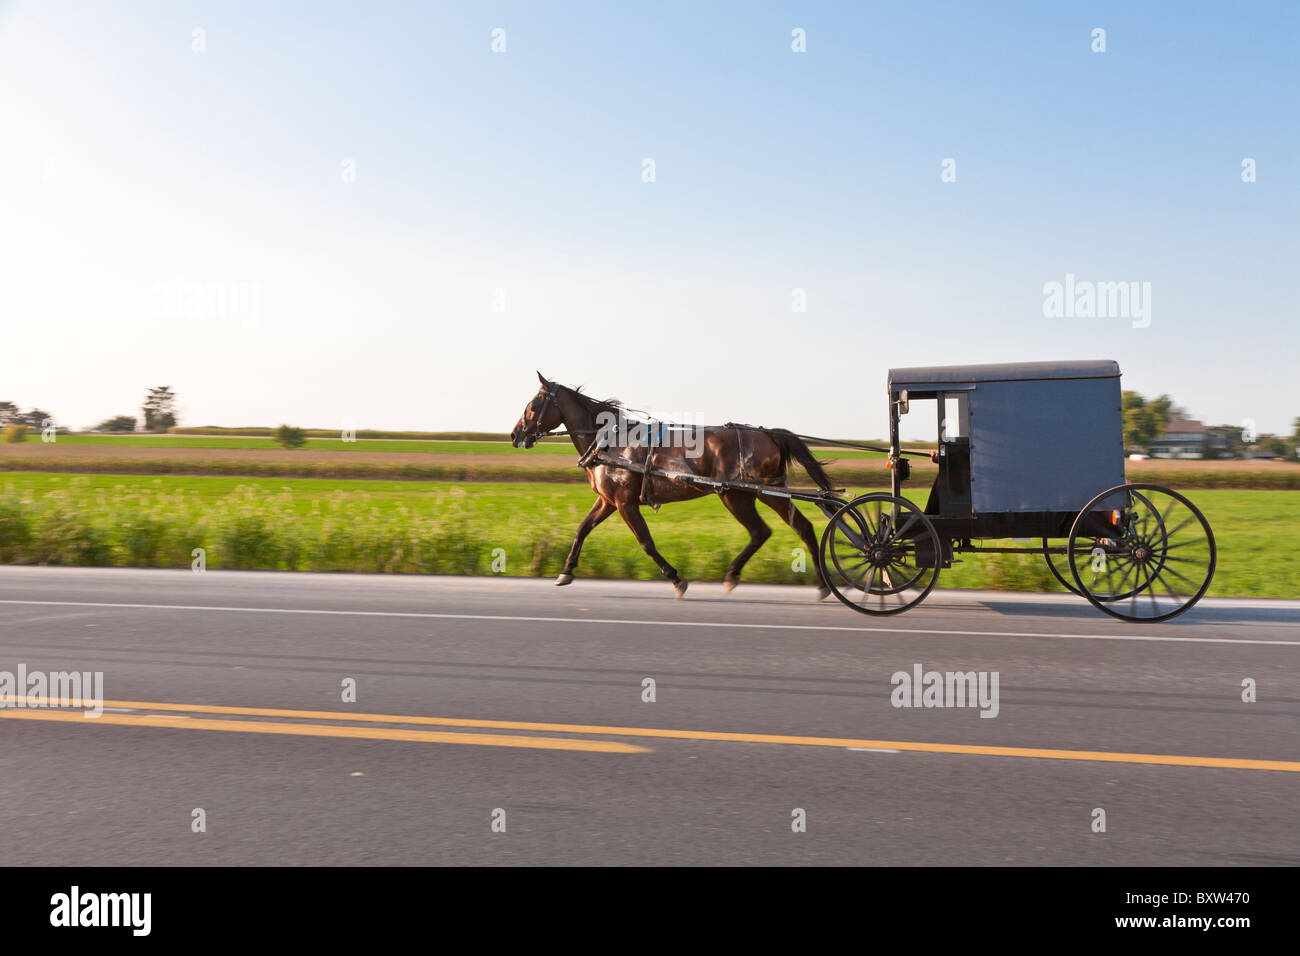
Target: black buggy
(1030, 451)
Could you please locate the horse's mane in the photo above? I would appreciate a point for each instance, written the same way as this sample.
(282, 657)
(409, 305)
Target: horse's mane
(597, 404)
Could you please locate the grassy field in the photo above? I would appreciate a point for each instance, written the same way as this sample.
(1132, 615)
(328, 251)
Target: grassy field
(256, 443)
(474, 461)
(263, 431)
(452, 528)
(364, 445)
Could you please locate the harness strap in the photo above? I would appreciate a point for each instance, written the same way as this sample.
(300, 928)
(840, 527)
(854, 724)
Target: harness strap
(647, 482)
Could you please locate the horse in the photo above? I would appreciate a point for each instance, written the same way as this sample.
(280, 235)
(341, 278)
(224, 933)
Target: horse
(723, 453)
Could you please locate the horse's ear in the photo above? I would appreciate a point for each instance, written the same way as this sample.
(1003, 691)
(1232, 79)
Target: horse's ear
(542, 378)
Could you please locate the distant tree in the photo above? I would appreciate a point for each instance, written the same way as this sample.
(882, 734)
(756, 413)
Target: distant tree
(8, 413)
(159, 409)
(1132, 407)
(1295, 430)
(1231, 434)
(1145, 421)
(1139, 426)
(1129, 400)
(120, 423)
(289, 437)
(35, 417)
(1278, 446)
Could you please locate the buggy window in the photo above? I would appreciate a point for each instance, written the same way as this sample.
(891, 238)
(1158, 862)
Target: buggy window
(954, 416)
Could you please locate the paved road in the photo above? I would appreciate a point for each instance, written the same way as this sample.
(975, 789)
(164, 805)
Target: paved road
(532, 703)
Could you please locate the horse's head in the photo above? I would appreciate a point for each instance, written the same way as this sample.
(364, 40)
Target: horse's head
(541, 415)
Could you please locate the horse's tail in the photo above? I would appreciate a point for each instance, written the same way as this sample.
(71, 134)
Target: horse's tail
(792, 446)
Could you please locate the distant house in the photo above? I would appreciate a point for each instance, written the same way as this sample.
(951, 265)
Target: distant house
(1260, 454)
(1188, 438)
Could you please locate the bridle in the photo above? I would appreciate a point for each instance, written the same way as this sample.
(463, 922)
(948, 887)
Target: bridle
(541, 413)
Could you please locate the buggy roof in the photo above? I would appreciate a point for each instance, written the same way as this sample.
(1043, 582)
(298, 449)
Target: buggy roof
(1003, 372)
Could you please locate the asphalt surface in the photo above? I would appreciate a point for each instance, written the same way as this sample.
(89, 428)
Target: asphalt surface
(1075, 688)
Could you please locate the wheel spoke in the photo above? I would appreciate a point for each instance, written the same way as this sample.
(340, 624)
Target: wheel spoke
(1130, 567)
(901, 532)
(847, 571)
(1183, 544)
(1179, 576)
(1169, 509)
(870, 584)
(1179, 557)
(1151, 593)
(1133, 596)
(1170, 532)
(1177, 598)
(1146, 521)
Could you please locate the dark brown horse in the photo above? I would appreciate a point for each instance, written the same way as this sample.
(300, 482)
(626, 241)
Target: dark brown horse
(729, 452)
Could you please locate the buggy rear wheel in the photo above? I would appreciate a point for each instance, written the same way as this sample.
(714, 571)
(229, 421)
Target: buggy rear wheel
(880, 554)
(1152, 553)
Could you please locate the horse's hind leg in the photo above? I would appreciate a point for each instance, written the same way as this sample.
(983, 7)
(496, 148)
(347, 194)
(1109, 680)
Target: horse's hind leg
(601, 510)
(804, 529)
(631, 515)
(741, 505)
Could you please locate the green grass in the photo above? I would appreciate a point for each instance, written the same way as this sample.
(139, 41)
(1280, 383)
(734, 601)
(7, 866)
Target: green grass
(263, 431)
(548, 462)
(453, 528)
(427, 446)
(313, 444)
(547, 468)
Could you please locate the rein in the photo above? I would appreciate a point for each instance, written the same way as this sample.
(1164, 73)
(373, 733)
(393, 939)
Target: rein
(861, 446)
(670, 426)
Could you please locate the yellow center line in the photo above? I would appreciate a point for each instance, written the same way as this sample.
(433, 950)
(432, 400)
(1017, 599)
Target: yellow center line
(177, 721)
(1170, 760)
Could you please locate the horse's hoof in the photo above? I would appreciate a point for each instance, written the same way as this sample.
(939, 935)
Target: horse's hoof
(823, 593)
(729, 585)
(680, 588)
(563, 579)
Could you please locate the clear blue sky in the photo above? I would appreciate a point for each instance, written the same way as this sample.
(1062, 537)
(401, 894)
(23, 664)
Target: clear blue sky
(179, 217)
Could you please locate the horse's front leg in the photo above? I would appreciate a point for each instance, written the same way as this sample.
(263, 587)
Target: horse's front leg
(601, 510)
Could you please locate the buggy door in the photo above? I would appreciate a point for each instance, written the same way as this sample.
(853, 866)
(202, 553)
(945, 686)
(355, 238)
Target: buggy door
(953, 487)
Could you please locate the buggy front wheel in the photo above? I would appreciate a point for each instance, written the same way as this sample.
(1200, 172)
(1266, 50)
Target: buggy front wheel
(880, 554)
(1061, 574)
